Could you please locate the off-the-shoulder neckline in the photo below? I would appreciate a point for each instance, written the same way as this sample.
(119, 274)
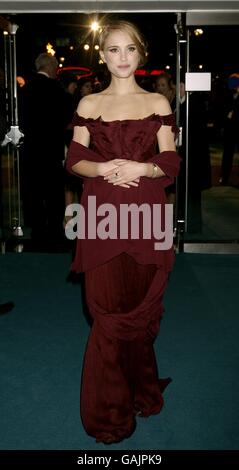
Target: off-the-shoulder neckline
(99, 118)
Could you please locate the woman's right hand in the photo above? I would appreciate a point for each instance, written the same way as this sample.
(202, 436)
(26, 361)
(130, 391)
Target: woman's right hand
(113, 165)
(104, 167)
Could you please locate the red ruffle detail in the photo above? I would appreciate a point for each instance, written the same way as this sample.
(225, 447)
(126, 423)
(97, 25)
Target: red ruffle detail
(165, 120)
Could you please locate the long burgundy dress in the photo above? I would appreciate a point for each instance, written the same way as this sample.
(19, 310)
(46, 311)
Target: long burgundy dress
(125, 281)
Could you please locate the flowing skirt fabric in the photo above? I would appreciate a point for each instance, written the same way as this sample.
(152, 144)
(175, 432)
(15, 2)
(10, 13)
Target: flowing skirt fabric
(120, 377)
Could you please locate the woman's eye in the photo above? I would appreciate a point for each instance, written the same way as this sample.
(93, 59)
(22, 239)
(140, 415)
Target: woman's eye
(132, 48)
(114, 49)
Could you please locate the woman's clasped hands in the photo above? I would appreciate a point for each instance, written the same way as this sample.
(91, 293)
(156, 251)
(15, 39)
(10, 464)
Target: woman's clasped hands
(124, 173)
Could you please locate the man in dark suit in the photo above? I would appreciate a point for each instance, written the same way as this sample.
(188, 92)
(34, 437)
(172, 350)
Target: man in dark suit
(44, 119)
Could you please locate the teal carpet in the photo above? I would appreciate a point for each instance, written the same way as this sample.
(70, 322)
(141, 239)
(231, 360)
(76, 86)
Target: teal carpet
(220, 221)
(43, 339)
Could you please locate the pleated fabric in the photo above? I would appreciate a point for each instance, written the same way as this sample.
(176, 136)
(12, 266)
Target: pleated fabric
(125, 279)
(120, 377)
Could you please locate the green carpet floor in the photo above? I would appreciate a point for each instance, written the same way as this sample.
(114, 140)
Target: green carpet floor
(220, 221)
(43, 339)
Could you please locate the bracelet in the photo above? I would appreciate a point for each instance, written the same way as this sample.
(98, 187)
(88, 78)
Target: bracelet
(155, 170)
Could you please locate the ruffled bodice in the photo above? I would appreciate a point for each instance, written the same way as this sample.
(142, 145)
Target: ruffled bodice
(133, 139)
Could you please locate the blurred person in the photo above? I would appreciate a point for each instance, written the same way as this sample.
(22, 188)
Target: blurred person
(70, 85)
(164, 84)
(114, 150)
(85, 87)
(230, 129)
(21, 81)
(97, 85)
(45, 115)
(199, 165)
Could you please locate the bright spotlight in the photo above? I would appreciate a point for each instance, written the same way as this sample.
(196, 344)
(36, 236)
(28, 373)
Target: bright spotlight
(94, 26)
(50, 49)
(198, 32)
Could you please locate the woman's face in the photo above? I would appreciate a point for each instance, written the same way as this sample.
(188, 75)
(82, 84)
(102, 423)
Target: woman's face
(86, 89)
(120, 54)
(161, 86)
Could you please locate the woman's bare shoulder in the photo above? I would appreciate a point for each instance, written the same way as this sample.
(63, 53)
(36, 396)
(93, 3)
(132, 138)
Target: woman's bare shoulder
(160, 104)
(88, 105)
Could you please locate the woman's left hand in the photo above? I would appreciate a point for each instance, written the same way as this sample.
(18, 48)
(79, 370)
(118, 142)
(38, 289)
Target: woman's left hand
(127, 173)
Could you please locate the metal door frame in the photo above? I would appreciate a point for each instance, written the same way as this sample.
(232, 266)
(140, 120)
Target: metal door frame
(194, 13)
(203, 18)
(14, 135)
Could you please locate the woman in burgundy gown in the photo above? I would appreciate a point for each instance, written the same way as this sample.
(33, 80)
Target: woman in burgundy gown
(114, 148)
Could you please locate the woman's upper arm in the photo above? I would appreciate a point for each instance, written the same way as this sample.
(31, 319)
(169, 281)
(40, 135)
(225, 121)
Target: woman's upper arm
(165, 135)
(81, 133)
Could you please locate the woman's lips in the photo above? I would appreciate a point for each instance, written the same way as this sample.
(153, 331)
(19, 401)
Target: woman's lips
(123, 66)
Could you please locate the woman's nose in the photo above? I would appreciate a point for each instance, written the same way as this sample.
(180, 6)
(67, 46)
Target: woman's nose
(123, 55)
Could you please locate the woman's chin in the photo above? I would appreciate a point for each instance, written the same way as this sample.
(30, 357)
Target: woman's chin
(123, 73)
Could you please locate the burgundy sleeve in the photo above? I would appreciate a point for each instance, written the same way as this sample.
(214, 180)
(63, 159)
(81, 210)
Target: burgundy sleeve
(169, 162)
(78, 152)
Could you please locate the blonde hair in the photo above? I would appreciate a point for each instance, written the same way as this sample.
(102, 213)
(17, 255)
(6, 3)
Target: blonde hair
(131, 30)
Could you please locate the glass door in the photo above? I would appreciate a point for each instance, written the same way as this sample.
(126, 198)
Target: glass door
(209, 180)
